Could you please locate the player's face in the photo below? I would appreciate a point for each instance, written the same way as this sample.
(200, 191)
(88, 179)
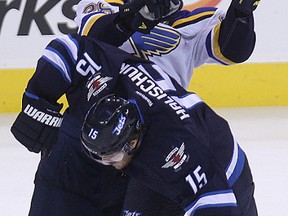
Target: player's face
(124, 162)
(119, 159)
(112, 158)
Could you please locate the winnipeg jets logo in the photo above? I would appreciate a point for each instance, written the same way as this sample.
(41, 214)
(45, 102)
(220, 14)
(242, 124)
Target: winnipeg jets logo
(130, 213)
(96, 85)
(175, 158)
(121, 122)
(160, 41)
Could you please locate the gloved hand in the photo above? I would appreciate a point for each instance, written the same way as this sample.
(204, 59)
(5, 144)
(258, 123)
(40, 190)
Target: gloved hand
(159, 9)
(37, 125)
(245, 6)
(144, 15)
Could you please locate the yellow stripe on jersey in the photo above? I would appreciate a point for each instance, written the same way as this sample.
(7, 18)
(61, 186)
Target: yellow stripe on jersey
(90, 23)
(192, 18)
(115, 2)
(216, 47)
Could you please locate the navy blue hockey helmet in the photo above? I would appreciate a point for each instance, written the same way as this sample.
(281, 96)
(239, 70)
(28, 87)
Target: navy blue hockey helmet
(110, 125)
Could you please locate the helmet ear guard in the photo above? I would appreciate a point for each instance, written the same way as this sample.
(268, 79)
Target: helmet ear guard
(109, 126)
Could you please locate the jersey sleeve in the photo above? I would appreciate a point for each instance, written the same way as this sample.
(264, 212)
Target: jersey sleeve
(201, 26)
(101, 21)
(217, 37)
(88, 13)
(53, 75)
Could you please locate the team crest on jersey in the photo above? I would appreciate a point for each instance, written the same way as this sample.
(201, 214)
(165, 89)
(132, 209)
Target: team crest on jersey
(97, 7)
(160, 41)
(96, 85)
(175, 158)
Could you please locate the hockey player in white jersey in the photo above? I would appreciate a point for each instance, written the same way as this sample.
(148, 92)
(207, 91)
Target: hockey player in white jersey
(189, 40)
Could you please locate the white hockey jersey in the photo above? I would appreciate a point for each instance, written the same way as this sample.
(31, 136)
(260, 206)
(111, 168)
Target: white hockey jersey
(190, 41)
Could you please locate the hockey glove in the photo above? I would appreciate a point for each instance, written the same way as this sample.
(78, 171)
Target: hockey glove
(160, 8)
(245, 6)
(37, 125)
(138, 17)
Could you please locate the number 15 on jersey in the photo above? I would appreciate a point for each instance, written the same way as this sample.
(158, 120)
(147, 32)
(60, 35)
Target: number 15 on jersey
(198, 181)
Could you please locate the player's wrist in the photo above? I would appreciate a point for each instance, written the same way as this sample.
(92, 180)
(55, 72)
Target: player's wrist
(143, 16)
(245, 8)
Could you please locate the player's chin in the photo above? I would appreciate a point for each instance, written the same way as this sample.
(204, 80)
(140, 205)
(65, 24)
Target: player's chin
(118, 166)
(123, 163)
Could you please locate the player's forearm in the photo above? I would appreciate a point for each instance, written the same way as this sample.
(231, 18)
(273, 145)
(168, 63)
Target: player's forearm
(110, 29)
(47, 84)
(237, 37)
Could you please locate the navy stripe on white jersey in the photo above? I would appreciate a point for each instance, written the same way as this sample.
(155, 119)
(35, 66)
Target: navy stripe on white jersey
(211, 53)
(200, 17)
(185, 17)
(89, 20)
(213, 47)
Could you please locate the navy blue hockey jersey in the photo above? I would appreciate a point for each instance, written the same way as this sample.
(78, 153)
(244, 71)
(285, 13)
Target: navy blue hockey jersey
(188, 152)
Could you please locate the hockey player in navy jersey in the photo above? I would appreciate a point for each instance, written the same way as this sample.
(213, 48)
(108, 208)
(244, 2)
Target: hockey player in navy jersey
(171, 142)
(67, 181)
(180, 44)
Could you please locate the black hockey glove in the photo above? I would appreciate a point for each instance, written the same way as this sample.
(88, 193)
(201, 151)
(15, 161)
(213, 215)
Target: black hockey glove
(37, 125)
(144, 15)
(160, 9)
(245, 6)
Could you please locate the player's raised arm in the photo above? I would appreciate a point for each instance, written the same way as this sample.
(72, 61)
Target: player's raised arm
(114, 25)
(236, 32)
(227, 38)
